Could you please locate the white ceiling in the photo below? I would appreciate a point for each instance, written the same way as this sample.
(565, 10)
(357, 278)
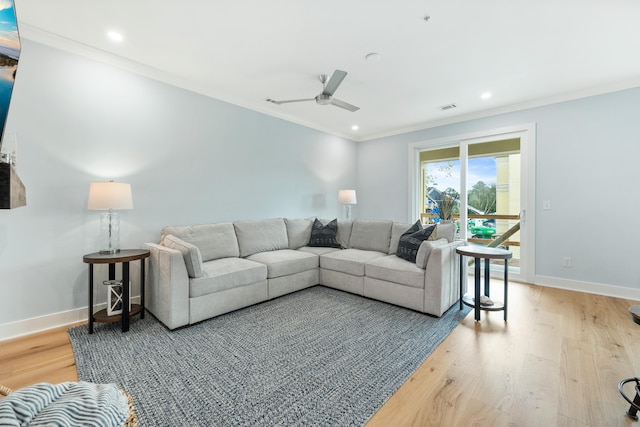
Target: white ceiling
(525, 52)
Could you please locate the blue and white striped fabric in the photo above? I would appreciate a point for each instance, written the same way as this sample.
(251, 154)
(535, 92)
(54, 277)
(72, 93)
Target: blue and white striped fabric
(65, 404)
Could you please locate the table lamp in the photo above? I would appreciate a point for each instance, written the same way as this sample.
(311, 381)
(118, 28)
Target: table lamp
(109, 196)
(347, 198)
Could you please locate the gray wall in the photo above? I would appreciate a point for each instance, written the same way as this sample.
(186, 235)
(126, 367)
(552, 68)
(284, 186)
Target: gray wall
(190, 159)
(586, 164)
(193, 159)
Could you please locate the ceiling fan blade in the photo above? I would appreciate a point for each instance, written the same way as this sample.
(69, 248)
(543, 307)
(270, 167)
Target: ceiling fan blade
(334, 82)
(273, 101)
(344, 105)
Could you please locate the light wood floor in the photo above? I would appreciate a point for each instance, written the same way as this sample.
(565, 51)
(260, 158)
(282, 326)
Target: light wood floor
(556, 362)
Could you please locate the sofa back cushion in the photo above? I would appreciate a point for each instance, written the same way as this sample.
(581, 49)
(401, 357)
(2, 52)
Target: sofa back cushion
(411, 240)
(446, 231)
(324, 235)
(371, 235)
(190, 253)
(397, 230)
(298, 232)
(344, 231)
(261, 236)
(213, 240)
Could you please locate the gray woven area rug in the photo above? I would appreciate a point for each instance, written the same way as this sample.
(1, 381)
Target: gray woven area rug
(317, 357)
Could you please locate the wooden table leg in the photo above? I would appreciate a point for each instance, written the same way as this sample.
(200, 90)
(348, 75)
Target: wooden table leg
(90, 298)
(142, 288)
(125, 296)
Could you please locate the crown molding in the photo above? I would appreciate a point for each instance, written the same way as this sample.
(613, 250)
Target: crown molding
(534, 103)
(59, 42)
(71, 46)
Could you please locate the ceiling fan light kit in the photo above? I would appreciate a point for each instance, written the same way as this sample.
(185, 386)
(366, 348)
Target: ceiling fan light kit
(326, 96)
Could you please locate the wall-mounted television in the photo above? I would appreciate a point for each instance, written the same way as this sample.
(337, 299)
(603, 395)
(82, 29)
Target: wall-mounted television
(9, 56)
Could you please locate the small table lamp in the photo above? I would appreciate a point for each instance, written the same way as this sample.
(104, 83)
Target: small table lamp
(109, 196)
(347, 198)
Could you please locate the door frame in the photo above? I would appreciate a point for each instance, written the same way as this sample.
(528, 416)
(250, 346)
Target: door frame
(527, 134)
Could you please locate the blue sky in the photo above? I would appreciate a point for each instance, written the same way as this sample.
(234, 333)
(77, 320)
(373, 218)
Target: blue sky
(9, 41)
(480, 169)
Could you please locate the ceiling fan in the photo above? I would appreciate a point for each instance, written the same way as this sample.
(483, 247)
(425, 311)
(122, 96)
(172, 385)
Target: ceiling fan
(326, 96)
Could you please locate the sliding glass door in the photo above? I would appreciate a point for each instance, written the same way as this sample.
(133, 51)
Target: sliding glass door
(480, 184)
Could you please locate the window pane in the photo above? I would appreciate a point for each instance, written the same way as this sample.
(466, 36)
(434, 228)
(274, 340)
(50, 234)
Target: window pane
(441, 194)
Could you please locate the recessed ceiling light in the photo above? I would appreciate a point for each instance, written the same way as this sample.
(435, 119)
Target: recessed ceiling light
(486, 95)
(115, 36)
(355, 127)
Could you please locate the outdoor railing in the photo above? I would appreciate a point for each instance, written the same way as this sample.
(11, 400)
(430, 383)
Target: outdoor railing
(497, 239)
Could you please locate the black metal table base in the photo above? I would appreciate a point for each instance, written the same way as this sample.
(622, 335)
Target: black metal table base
(632, 412)
(477, 289)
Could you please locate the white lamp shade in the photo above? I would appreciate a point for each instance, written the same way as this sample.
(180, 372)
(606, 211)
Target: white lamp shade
(347, 197)
(109, 195)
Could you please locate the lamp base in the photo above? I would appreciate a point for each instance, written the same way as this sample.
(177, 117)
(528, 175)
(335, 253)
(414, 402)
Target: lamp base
(109, 232)
(347, 212)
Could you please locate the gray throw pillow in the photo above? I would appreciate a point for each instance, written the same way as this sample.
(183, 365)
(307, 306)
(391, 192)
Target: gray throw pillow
(410, 242)
(324, 235)
(190, 253)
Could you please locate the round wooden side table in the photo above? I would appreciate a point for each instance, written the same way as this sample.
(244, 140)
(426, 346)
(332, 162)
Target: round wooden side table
(125, 256)
(486, 254)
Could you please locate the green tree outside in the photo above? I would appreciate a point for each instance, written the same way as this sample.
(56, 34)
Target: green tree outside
(483, 197)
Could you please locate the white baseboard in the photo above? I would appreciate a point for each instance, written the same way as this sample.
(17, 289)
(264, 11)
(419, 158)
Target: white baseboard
(50, 321)
(589, 287)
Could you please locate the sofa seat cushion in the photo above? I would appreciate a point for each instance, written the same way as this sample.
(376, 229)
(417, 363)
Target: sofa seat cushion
(285, 262)
(226, 273)
(350, 261)
(318, 250)
(397, 270)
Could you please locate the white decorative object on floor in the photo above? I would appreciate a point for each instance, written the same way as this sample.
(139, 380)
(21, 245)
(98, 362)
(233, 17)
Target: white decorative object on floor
(114, 297)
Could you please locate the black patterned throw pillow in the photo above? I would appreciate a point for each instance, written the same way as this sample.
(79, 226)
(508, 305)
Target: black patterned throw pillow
(411, 240)
(324, 235)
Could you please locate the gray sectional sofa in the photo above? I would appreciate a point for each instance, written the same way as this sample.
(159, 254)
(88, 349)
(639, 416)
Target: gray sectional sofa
(201, 271)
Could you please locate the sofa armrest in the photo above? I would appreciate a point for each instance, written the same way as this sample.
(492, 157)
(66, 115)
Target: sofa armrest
(167, 286)
(442, 279)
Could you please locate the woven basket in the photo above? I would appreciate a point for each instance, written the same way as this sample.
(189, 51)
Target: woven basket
(131, 421)
(4, 391)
